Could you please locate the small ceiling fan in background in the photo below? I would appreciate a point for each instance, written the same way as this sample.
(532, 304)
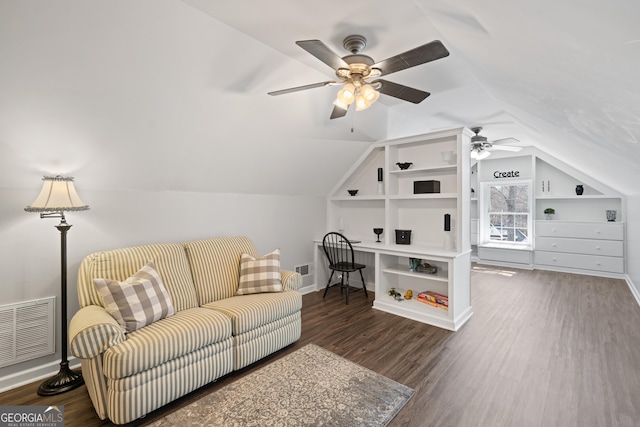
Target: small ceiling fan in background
(481, 148)
(355, 71)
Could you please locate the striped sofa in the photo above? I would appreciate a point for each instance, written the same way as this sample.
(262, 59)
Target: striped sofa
(213, 331)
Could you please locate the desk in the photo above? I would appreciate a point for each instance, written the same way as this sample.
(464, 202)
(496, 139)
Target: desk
(389, 267)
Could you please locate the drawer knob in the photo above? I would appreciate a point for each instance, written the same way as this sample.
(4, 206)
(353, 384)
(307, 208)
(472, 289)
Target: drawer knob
(554, 230)
(597, 231)
(553, 245)
(554, 260)
(598, 247)
(598, 264)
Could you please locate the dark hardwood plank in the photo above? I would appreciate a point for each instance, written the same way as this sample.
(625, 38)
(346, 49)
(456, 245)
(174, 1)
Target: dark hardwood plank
(542, 349)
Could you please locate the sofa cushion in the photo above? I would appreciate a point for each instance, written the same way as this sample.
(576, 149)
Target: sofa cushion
(260, 274)
(248, 312)
(215, 265)
(165, 340)
(170, 260)
(138, 301)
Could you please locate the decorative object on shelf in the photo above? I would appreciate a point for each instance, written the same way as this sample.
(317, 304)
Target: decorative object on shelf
(352, 192)
(395, 294)
(579, 189)
(548, 190)
(448, 238)
(421, 187)
(58, 194)
(403, 237)
(611, 215)
(380, 182)
(408, 294)
(549, 212)
(449, 157)
(414, 263)
(378, 232)
(341, 226)
(405, 165)
(427, 268)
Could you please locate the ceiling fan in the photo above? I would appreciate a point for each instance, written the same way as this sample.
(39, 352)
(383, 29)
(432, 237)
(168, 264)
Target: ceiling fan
(481, 148)
(355, 71)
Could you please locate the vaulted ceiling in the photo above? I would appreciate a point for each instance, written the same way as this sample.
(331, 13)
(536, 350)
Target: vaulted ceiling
(172, 95)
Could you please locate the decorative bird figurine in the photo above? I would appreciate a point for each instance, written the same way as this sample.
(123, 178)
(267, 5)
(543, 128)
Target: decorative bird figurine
(405, 165)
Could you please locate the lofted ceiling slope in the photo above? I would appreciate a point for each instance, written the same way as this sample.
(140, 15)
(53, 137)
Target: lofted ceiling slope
(172, 95)
(558, 75)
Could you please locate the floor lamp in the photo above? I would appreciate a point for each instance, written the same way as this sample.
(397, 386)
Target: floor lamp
(58, 195)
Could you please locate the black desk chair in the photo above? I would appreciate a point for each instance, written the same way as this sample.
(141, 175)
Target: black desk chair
(340, 255)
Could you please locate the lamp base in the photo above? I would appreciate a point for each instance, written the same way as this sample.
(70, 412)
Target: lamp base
(65, 380)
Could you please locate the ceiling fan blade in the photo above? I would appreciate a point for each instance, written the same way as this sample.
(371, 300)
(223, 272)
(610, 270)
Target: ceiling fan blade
(299, 88)
(399, 91)
(338, 112)
(323, 53)
(419, 55)
(506, 141)
(506, 148)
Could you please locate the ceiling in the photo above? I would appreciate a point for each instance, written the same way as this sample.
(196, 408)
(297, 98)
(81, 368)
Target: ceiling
(171, 95)
(558, 75)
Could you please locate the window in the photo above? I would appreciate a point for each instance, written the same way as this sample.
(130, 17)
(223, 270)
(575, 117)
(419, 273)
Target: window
(508, 218)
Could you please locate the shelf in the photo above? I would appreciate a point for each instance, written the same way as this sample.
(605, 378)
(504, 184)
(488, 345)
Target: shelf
(423, 196)
(358, 198)
(403, 271)
(576, 197)
(414, 304)
(446, 168)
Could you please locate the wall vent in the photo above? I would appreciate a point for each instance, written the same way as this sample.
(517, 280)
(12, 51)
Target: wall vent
(306, 271)
(26, 330)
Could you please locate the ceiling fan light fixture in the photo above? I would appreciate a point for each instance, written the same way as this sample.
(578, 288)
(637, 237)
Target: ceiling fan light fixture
(362, 103)
(347, 94)
(480, 154)
(369, 93)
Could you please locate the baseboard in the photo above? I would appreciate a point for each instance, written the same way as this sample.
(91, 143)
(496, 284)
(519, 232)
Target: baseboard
(633, 288)
(307, 289)
(34, 374)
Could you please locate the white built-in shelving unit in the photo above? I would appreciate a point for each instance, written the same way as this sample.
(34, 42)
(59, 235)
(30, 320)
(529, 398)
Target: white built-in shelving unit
(398, 208)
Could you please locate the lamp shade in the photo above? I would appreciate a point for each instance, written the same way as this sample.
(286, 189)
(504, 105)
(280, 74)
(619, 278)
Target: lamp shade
(58, 194)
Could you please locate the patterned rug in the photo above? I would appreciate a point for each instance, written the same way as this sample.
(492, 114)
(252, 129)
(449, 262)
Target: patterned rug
(309, 387)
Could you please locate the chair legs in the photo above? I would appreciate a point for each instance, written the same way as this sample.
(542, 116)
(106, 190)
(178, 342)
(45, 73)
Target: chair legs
(328, 284)
(364, 285)
(344, 284)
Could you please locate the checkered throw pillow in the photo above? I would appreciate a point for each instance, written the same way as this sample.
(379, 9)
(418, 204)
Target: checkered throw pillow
(138, 301)
(261, 274)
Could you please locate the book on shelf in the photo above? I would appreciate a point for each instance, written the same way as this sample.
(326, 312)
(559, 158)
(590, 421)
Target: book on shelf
(433, 304)
(433, 297)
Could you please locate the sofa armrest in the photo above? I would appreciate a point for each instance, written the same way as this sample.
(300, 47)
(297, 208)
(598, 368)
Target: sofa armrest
(291, 281)
(92, 330)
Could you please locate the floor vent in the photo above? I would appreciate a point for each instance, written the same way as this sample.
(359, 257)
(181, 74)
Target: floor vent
(26, 330)
(306, 271)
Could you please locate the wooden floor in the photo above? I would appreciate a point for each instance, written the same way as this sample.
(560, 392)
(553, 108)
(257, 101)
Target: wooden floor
(542, 349)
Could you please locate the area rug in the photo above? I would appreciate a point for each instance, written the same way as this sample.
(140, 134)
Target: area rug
(309, 387)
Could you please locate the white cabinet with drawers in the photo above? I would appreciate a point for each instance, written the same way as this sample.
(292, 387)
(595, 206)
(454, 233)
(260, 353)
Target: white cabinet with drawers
(586, 246)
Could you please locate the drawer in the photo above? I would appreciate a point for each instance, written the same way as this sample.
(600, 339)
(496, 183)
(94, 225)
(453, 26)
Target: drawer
(581, 230)
(504, 255)
(581, 262)
(580, 246)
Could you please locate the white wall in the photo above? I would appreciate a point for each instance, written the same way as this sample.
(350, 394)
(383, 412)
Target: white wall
(30, 246)
(633, 242)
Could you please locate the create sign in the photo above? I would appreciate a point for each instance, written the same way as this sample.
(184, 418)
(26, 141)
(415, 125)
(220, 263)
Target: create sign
(509, 174)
